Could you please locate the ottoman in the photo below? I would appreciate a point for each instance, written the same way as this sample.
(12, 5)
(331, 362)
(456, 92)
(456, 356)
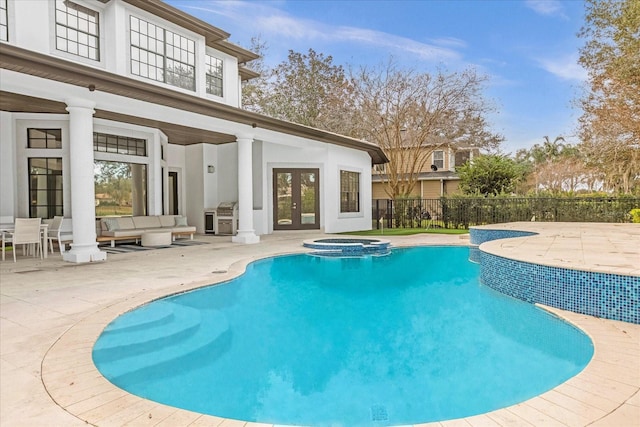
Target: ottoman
(156, 238)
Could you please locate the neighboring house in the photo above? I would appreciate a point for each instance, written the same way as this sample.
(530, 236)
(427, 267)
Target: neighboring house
(436, 179)
(142, 83)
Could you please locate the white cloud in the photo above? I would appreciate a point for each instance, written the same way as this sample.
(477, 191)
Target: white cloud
(273, 23)
(450, 41)
(566, 67)
(424, 51)
(545, 7)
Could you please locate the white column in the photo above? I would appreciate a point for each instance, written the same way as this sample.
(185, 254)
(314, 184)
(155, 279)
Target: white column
(246, 232)
(83, 209)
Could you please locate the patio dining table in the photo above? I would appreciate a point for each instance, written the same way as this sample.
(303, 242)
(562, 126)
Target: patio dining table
(9, 228)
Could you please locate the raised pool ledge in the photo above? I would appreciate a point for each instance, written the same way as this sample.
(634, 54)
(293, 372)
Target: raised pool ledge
(549, 265)
(339, 246)
(478, 236)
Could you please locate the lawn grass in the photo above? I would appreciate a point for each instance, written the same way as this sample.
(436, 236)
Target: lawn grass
(406, 231)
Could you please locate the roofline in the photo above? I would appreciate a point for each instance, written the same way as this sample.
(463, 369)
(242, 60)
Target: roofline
(49, 67)
(165, 11)
(247, 74)
(422, 176)
(243, 55)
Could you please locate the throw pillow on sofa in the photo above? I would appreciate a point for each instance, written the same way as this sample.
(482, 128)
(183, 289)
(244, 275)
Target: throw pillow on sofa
(111, 223)
(181, 221)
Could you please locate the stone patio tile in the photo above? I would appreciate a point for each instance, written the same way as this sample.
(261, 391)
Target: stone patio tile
(482, 420)
(625, 416)
(533, 416)
(179, 418)
(507, 418)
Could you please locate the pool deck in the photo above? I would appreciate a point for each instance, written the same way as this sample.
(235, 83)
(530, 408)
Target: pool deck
(51, 313)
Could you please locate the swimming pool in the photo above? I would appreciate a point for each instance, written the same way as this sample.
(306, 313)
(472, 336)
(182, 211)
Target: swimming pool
(411, 337)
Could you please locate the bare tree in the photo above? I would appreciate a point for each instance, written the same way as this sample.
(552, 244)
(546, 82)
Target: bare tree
(410, 114)
(253, 90)
(407, 113)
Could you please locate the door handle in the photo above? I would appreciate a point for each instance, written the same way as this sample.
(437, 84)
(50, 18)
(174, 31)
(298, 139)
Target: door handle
(295, 206)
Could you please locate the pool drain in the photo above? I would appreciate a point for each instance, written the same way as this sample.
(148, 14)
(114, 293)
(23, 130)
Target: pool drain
(379, 413)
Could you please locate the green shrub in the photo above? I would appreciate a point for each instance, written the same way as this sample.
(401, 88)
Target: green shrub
(635, 215)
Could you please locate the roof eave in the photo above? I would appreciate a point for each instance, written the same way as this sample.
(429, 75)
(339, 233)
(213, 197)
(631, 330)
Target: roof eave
(49, 67)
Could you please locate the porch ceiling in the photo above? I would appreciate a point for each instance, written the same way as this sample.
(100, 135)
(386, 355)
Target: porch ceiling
(177, 134)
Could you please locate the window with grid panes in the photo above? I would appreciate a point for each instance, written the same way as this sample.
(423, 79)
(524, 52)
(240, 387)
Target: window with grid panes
(4, 21)
(349, 191)
(162, 55)
(214, 75)
(77, 30)
(45, 187)
(438, 159)
(119, 144)
(44, 138)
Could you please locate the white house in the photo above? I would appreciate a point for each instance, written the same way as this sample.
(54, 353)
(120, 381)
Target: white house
(142, 83)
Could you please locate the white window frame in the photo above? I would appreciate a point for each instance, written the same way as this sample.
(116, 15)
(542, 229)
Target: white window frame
(349, 213)
(208, 66)
(77, 28)
(438, 162)
(166, 31)
(4, 16)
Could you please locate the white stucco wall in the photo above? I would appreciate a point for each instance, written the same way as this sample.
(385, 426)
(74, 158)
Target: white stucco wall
(194, 182)
(227, 173)
(340, 158)
(7, 169)
(329, 159)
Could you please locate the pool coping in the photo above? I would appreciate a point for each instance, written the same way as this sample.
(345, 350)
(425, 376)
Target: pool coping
(607, 389)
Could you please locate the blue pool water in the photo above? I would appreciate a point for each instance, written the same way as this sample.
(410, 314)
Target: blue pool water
(374, 341)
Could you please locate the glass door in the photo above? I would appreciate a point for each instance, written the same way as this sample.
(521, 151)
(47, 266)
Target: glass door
(296, 204)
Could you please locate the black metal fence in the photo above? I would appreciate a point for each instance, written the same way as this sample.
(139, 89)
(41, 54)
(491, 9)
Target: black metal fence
(465, 212)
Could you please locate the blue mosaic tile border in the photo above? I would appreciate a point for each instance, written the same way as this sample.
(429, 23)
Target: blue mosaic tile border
(606, 295)
(611, 296)
(478, 236)
(350, 247)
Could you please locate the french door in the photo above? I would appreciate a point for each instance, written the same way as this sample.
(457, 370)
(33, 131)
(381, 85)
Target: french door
(172, 190)
(296, 199)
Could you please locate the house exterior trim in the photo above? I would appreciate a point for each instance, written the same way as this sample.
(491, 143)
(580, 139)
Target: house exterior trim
(33, 63)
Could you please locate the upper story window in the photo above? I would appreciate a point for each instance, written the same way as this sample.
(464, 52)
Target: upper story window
(77, 30)
(162, 55)
(4, 21)
(44, 138)
(438, 159)
(119, 144)
(214, 75)
(349, 191)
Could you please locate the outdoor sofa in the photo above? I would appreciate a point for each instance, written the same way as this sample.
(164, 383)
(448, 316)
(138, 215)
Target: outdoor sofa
(111, 229)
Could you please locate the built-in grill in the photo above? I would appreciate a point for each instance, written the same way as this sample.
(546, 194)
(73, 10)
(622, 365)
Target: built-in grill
(227, 218)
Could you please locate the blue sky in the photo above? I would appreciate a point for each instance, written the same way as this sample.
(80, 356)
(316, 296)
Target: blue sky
(527, 48)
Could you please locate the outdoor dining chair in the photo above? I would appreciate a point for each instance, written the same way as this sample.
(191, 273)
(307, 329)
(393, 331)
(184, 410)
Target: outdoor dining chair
(53, 233)
(26, 232)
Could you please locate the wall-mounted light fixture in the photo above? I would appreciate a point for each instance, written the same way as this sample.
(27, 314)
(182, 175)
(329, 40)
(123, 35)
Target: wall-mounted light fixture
(211, 169)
